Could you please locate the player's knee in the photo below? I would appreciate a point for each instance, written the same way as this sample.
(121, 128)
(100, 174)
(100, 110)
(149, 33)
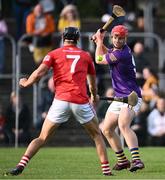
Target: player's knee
(42, 139)
(106, 132)
(95, 134)
(124, 128)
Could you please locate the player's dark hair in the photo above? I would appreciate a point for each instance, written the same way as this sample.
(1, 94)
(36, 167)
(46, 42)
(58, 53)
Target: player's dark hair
(72, 34)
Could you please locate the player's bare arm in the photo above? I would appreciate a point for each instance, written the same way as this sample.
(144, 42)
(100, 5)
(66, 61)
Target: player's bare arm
(34, 77)
(101, 49)
(92, 88)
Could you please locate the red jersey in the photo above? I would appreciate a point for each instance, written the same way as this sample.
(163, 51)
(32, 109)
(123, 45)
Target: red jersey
(70, 68)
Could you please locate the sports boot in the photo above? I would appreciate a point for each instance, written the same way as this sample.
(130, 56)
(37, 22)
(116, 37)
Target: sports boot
(119, 166)
(15, 171)
(135, 165)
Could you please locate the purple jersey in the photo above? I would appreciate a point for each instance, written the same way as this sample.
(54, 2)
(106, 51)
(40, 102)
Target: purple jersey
(122, 69)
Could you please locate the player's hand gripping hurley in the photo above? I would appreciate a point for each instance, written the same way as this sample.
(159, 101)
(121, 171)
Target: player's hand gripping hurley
(131, 99)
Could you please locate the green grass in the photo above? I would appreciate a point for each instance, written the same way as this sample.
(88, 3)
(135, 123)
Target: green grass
(79, 163)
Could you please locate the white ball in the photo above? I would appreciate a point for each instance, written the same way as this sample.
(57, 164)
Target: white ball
(105, 18)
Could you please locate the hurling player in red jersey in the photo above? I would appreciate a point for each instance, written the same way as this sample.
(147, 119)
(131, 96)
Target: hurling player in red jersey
(71, 67)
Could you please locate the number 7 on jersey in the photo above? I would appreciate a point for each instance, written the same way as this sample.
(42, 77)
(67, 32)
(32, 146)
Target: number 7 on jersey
(75, 60)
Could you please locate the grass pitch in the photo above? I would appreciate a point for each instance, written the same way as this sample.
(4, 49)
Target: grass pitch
(79, 163)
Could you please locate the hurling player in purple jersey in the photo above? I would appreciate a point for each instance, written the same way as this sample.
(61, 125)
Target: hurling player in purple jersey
(122, 71)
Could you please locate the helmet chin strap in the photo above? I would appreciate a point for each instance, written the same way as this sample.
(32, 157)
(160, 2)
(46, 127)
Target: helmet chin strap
(117, 47)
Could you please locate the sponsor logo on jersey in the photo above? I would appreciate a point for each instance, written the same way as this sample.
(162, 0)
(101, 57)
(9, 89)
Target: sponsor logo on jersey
(46, 58)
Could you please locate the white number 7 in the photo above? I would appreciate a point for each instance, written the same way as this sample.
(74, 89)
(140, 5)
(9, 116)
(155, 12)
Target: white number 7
(75, 60)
